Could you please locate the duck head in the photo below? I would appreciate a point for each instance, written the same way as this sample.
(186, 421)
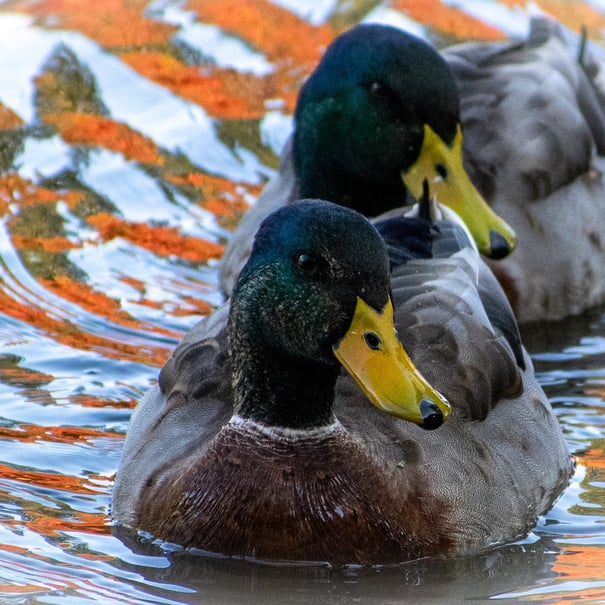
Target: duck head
(315, 296)
(379, 115)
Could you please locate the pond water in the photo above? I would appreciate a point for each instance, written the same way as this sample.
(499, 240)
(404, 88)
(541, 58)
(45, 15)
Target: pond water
(133, 135)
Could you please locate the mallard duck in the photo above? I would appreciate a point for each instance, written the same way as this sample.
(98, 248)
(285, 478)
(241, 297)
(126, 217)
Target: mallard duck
(256, 444)
(369, 130)
(383, 111)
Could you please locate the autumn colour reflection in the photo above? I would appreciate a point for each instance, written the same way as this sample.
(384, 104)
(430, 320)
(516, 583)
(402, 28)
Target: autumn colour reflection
(128, 152)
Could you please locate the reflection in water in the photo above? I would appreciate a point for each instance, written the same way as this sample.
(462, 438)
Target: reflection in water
(427, 581)
(133, 136)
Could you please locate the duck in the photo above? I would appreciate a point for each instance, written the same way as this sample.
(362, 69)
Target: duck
(509, 135)
(276, 433)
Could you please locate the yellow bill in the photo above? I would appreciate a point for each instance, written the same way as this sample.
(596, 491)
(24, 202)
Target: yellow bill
(441, 166)
(372, 354)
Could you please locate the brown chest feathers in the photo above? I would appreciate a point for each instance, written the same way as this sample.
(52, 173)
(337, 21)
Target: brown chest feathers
(292, 496)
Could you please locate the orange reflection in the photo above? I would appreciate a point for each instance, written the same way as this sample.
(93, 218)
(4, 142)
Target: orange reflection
(30, 433)
(137, 284)
(19, 588)
(208, 185)
(585, 564)
(448, 19)
(112, 23)
(9, 119)
(48, 244)
(217, 195)
(13, 188)
(16, 189)
(222, 93)
(581, 562)
(98, 303)
(18, 375)
(282, 35)
(45, 524)
(290, 43)
(593, 457)
(88, 401)
(87, 129)
(66, 483)
(68, 334)
(195, 305)
(161, 240)
(47, 520)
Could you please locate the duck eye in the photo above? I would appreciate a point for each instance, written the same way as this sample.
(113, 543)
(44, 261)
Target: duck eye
(306, 263)
(372, 340)
(441, 170)
(376, 88)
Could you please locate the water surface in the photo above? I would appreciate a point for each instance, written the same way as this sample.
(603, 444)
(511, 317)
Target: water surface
(133, 136)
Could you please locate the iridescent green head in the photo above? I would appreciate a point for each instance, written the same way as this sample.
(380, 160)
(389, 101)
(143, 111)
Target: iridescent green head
(377, 118)
(315, 296)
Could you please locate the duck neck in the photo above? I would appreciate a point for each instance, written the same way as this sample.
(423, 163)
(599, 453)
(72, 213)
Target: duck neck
(347, 169)
(370, 198)
(284, 392)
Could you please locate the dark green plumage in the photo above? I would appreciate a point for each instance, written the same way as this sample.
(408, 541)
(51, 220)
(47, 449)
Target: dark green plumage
(360, 117)
(295, 299)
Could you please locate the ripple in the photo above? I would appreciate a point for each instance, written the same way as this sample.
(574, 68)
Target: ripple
(91, 304)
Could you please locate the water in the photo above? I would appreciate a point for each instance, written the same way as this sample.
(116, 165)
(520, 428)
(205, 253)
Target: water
(132, 138)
